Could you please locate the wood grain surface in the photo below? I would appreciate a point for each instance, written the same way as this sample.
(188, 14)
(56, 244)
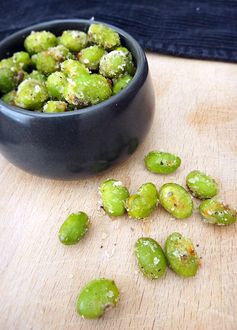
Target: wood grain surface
(196, 117)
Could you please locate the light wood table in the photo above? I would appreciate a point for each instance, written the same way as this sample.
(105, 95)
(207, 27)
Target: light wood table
(196, 117)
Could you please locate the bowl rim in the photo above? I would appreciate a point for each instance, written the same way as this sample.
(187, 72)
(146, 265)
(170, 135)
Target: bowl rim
(137, 81)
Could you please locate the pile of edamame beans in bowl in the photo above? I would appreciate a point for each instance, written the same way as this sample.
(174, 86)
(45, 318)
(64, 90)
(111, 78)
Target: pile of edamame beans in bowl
(72, 71)
(179, 252)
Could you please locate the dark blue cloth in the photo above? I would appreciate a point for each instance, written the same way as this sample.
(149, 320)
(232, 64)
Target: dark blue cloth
(198, 29)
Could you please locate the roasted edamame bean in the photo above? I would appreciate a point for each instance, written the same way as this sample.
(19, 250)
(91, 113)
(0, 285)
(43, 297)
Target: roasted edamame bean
(74, 228)
(73, 40)
(130, 65)
(97, 296)
(150, 258)
(31, 94)
(125, 50)
(39, 41)
(6, 63)
(201, 185)
(114, 195)
(162, 162)
(49, 60)
(74, 69)
(46, 63)
(9, 98)
(181, 255)
(176, 200)
(10, 75)
(91, 56)
(217, 213)
(143, 203)
(103, 36)
(115, 64)
(21, 60)
(121, 83)
(37, 76)
(56, 83)
(55, 107)
(87, 90)
(7, 80)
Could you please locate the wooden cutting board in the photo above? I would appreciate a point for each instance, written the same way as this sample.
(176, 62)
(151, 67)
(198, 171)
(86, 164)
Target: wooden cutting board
(196, 117)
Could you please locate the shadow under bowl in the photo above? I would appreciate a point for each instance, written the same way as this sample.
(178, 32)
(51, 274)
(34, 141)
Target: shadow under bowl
(81, 142)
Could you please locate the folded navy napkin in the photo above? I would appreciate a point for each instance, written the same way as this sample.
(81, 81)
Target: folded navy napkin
(198, 29)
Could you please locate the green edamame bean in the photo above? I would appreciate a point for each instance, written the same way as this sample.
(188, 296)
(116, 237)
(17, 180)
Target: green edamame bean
(121, 83)
(10, 79)
(103, 36)
(7, 80)
(176, 200)
(97, 296)
(74, 228)
(49, 61)
(39, 41)
(87, 90)
(60, 53)
(55, 107)
(6, 63)
(73, 40)
(74, 69)
(114, 195)
(162, 162)
(21, 60)
(9, 98)
(125, 50)
(46, 63)
(36, 75)
(143, 203)
(31, 94)
(181, 255)
(10, 75)
(91, 56)
(115, 64)
(56, 84)
(130, 65)
(201, 185)
(150, 258)
(217, 213)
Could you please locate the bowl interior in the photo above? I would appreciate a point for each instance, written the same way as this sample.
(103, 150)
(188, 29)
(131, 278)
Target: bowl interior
(15, 42)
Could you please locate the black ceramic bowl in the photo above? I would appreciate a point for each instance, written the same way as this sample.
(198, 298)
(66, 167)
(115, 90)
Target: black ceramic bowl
(73, 144)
